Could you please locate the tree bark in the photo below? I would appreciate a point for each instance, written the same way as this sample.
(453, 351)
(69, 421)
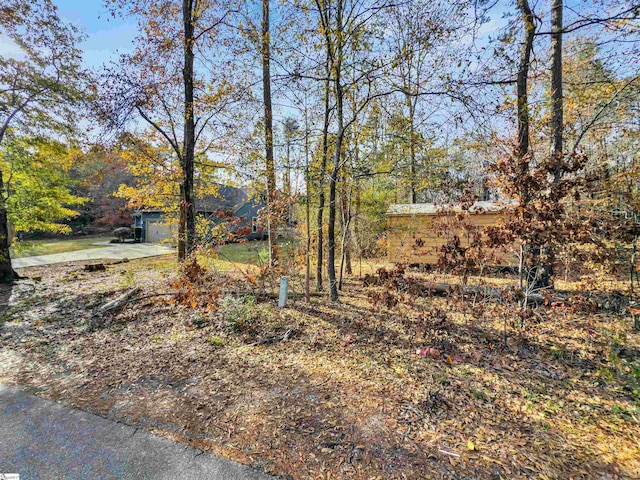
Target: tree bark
(321, 181)
(546, 278)
(333, 181)
(356, 225)
(556, 84)
(189, 130)
(412, 149)
(345, 206)
(337, 158)
(347, 253)
(307, 179)
(268, 136)
(182, 226)
(287, 171)
(7, 275)
(353, 218)
(522, 79)
(522, 82)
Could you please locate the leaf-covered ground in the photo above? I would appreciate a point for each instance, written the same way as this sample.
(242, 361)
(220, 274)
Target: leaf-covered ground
(319, 391)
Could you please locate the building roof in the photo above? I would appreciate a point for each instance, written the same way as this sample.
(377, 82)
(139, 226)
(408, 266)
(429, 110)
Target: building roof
(226, 198)
(256, 202)
(435, 209)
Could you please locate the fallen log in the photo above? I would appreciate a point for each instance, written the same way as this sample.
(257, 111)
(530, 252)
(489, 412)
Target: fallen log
(272, 338)
(95, 267)
(118, 262)
(532, 299)
(445, 289)
(97, 319)
(118, 302)
(610, 302)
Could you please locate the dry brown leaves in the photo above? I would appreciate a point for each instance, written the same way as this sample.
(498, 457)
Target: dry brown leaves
(346, 396)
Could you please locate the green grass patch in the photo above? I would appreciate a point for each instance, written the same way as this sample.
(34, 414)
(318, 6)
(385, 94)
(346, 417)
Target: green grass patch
(479, 394)
(251, 253)
(32, 248)
(215, 341)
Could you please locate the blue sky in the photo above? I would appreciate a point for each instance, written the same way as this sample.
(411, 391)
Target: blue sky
(106, 35)
(109, 35)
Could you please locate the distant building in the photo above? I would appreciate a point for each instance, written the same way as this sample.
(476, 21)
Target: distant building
(230, 204)
(417, 231)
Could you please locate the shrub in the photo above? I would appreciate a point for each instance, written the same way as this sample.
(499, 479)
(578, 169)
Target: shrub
(215, 341)
(122, 233)
(238, 312)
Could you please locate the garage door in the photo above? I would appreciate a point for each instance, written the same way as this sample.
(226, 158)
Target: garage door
(158, 231)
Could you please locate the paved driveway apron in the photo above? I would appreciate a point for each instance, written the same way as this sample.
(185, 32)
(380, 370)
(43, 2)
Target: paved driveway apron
(41, 439)
(115, 252)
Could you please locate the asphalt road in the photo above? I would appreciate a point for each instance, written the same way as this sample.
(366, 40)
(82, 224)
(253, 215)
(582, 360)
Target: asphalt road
(117, 251)
(41, 439)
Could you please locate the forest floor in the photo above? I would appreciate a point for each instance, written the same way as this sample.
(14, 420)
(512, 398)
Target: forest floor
(323, 391)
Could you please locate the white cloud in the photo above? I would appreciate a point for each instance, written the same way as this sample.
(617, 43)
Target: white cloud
(99, 48)
(9, 49)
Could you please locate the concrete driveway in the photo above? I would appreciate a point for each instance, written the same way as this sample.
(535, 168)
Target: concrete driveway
(41, 439)
(116, 251)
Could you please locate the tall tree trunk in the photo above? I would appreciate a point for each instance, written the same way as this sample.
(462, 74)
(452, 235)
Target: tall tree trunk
(546, 279)
(345, 202)
(522, 83)
(321, 181)
(337, 158)
(287, 171)
(344, 223)
(522, 80)
(333, 181)
(347, 252)
(268, 136)
(345, 207)
(182, 226)
(7, 275)
(356, 224)
(307, 179)
(556, 84)
(412, 148)
(188, 153)
(344, 252)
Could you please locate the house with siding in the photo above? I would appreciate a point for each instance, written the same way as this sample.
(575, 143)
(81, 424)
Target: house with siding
(231, 204)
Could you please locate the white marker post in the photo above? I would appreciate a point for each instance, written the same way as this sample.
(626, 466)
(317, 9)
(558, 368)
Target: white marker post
(284, 290)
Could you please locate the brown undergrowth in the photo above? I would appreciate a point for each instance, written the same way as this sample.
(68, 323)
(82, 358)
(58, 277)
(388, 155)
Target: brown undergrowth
(319, 391)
